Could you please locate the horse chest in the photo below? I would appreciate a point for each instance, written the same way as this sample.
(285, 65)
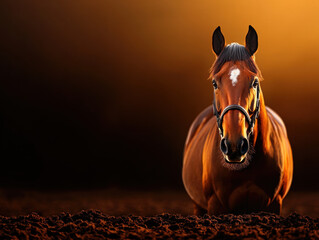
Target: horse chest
(247, 197)
(249, 189)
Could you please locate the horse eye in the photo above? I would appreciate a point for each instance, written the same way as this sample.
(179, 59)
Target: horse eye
(215, 84)
(255, 84)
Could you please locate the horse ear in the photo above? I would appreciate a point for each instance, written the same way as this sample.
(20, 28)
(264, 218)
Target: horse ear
(218, 41)
(251, 40)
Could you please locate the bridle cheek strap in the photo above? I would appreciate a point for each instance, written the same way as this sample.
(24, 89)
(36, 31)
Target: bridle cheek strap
(251, 120)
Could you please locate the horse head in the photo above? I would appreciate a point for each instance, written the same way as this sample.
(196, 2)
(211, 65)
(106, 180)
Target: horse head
(235, 77)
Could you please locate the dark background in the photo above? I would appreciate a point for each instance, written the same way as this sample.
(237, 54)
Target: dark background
(102, 93)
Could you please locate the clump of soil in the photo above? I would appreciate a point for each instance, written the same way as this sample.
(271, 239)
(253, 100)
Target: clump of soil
(92, 224)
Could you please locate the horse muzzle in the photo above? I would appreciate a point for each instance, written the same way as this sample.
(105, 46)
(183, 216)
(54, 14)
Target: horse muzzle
(234, 152)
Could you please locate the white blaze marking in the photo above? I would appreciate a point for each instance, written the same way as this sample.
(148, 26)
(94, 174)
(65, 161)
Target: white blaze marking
(233, 76)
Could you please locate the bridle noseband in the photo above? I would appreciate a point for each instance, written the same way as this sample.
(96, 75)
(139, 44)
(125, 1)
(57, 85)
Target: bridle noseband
(251, 120)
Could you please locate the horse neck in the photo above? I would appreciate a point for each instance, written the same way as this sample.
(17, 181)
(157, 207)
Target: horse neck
(262, 126)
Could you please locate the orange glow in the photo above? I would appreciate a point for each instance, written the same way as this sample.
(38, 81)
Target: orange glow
(105, 67)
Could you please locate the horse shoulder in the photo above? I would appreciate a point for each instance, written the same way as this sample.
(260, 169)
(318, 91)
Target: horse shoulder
(287, 159)
(276, 120)
(198, 123)
(193, 163)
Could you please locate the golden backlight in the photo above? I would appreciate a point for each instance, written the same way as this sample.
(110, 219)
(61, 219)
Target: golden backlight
(142, 66)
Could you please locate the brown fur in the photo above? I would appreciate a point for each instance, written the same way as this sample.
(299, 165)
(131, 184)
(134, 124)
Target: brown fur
(220, 187)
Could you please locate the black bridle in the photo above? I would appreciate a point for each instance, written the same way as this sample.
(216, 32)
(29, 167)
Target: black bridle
(251, 120)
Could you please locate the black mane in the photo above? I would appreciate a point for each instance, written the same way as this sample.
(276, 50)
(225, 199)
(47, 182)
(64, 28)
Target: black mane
(234, 52)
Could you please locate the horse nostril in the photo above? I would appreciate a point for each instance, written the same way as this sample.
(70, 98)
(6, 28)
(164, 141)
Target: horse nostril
(244, 146)
(223, 146)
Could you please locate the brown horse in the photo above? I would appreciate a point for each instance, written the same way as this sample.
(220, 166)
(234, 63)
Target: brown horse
(237, 156)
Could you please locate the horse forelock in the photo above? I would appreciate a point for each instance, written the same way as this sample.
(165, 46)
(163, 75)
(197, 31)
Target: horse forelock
(232, 53)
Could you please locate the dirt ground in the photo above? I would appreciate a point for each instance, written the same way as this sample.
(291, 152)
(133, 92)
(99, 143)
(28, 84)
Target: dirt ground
(149, 215)
(92, 224)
